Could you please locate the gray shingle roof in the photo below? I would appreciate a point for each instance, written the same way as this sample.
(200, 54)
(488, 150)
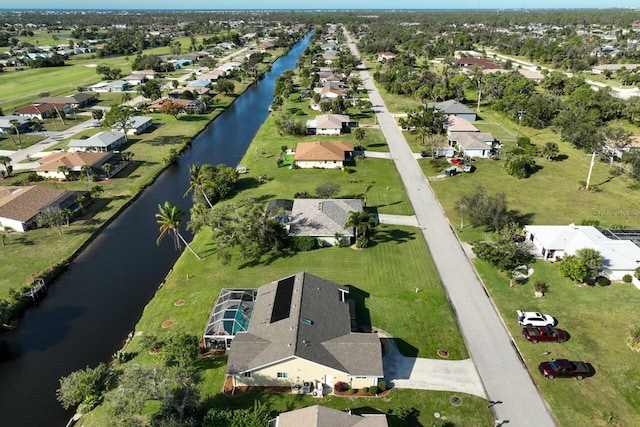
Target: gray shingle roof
(317, 329)
(451, 106)
(320, 416)
(322, 217)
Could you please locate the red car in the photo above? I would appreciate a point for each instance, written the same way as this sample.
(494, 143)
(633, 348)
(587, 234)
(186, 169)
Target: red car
(563, 368)
(535, 334)
(456, 161)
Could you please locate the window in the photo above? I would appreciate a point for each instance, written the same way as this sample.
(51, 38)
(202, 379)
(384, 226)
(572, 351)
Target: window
(283, 375)
(247, 374)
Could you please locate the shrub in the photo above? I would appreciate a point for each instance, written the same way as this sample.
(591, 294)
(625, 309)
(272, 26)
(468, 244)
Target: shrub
(627, 278)
(637, 273)
(540, 286)
(382, 385)
(341, 386)
(303, 243)
(363, 242)
(302, 195)
(633, 337)
(592, 222)
(352, 391)
(603, 281)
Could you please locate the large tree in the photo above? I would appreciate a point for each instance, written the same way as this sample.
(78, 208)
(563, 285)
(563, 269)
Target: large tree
(169, 217)
(362, 223)
(484, 209)
(119, 117)
(83, 386)
(240, 224)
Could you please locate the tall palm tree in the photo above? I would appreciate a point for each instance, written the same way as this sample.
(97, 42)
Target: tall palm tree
(199, 180)
(86, 171)
(361, 222)
(169, 217)
(107, 167)
(16, 126)
(63, 170)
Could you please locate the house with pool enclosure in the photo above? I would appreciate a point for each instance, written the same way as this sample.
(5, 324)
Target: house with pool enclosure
(297, 331)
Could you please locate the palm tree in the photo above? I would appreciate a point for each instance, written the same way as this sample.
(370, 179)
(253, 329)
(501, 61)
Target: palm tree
(169, 218)
(15, 124)
(199, 179)
(361, 222)
(126, 97)
(97, 114)
(5, 160)
(107, 167)
(63, 170)
(86, 171)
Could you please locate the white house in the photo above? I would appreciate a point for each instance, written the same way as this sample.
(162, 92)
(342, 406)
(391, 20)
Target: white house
(102, 141)
(20, 206)
(136, 125)
(473, 144)
(328, 124)
(323, 154)
(552, 242)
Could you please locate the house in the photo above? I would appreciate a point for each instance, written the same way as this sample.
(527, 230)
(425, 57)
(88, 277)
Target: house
(200, 84)
(618, 152)
(452, 107)
(384, 56)
(552, 242)
(136, 125)
(61, 165)
(7, 124)
(323, 155)
(473, 144)
(329, 124)
(178, 92)
(321, 416)
(135, 79)
(324, 219)
(469, 63)
(78, 100)
(455, 124)
(300, 332)
(330, 93)
(193, 105)
(20, 206)
(101, 142)
(114, 86)
(40, 111)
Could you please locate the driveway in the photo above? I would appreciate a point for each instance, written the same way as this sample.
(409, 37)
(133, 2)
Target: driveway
(429, 374)
(409, 220)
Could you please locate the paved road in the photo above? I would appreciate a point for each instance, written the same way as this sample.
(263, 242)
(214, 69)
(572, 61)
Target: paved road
(504, 376)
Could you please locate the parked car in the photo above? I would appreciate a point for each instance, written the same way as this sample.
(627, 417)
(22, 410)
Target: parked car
(468, 168)
(96, 125)
(534, 318)
(535, 334)
(563, 368)
(456, 161)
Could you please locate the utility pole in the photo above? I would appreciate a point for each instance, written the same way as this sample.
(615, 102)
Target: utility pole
(520, 115)
(593, 162)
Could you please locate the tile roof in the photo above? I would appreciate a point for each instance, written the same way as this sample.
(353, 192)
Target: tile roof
(311, 322)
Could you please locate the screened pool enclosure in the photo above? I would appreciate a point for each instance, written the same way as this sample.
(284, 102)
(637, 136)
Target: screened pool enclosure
(231, 314)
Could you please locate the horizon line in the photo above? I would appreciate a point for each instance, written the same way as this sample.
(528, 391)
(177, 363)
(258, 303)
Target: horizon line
(308, 9)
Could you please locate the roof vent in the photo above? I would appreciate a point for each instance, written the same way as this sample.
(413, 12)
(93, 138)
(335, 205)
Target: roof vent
(307, 321)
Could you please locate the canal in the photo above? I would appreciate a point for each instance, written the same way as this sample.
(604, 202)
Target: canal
(97, 301)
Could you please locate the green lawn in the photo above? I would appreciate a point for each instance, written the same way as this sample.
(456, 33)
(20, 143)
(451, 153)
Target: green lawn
(597, 319)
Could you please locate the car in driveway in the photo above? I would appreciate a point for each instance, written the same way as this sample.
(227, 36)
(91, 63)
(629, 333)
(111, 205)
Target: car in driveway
(534, 318)
(537, 334)
(564, 368)
(455, 161)
(468, 168)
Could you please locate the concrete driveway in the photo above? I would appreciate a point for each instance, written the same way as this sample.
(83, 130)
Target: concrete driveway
(430, 374)
(409, 220)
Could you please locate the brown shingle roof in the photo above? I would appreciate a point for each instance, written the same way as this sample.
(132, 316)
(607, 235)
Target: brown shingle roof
(23, 203)
(70, 160)
(322, 151)
(320, 416)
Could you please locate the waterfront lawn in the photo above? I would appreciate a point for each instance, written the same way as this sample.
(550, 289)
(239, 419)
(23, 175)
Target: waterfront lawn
(597, 319)
(385, 296)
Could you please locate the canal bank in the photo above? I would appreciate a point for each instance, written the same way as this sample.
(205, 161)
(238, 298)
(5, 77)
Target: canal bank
(96, 302)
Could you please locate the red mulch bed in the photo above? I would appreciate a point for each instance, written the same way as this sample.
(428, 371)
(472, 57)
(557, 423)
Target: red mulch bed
(179, 302)
(167, 323)
(228, 388)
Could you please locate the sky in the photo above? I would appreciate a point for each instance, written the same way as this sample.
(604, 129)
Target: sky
(322, 4)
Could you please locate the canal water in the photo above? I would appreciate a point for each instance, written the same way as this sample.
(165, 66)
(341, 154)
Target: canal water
(97, 301)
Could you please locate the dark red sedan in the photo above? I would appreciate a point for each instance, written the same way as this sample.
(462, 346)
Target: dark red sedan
(535, 334)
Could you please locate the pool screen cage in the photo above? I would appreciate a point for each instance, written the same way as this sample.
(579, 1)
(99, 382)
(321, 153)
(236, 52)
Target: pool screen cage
(231, 314)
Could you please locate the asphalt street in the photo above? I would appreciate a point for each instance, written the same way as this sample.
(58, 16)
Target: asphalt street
(501, 369)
